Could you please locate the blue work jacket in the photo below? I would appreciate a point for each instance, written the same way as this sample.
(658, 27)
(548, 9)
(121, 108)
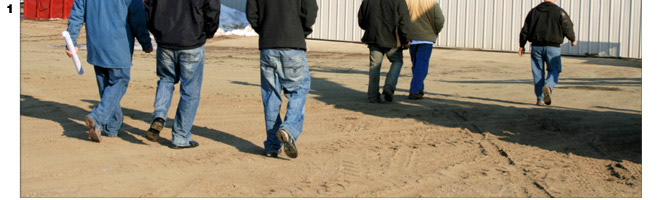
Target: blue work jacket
(111, 26)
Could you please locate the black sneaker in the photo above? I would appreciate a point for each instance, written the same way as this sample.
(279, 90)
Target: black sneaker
(388, 96)
(548, 95)
(288, 143)
(154, 129)
(191, 144)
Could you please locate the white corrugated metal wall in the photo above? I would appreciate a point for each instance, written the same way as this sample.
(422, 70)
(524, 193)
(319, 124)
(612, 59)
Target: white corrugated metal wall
(608, 28)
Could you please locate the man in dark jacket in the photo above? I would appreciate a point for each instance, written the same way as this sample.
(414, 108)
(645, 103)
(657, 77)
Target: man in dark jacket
(386, 24)
(181, 28)
(283, 26)
(545, 27)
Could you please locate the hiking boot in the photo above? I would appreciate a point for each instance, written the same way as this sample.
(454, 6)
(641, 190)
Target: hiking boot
(548, 95)
(95, 131)
(154, 129)
(288, 143)
(415, 96)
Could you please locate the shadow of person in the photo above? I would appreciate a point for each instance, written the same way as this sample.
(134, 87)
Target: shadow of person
(603, 135)
(65, 114)
(240, 144)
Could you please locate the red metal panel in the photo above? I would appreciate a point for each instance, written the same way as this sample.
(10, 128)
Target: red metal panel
(44, 9)
(30, 9)
(57, 9)
(68, 4)
(47, 9)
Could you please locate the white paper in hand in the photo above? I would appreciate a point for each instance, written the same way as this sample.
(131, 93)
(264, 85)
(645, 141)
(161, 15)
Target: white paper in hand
(70, 47)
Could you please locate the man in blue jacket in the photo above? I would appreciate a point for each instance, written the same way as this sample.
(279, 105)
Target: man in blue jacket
(181, 28)
(111, 28)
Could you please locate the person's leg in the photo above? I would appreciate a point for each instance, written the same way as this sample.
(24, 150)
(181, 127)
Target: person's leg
(95, 128)
(296, 85)
(395, 56)
(116, 119)
(376, 57)
(413, 50)
(166, 63)
(552, 57)
(191, 67)
(538, 67)
(553, 60)
(118, 81)
(271, 99)
(420, 69)
(295, 80)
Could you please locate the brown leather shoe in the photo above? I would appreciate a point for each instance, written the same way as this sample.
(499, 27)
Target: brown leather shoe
(415, 96)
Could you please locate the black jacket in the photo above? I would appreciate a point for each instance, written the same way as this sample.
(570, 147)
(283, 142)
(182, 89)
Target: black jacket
(546, 25)
(386, 22)
(182, 24)
(282, 23)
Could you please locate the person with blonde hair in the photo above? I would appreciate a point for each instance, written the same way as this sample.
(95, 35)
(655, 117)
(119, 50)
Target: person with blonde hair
(427, 20)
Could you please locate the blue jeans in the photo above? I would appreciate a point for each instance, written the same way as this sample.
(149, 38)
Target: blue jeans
(376, 56)
(420, 59)
(112, 83)
(173, 66)
(286, 70)
(541, 56)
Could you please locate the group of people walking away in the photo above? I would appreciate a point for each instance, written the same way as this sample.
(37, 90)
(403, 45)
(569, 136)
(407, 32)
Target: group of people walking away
(181, 28)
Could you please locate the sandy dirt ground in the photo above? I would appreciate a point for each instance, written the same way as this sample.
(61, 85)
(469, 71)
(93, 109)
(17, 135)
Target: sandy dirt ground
(476, 134)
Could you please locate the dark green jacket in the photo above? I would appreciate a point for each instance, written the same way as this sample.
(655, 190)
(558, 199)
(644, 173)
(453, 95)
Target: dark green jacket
(386, 22)
(427, 19)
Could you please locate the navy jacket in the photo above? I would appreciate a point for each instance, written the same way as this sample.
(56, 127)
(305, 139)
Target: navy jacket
(182, 24)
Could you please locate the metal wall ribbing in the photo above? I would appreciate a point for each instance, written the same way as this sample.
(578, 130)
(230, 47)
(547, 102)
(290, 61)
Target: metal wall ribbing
(607, 28)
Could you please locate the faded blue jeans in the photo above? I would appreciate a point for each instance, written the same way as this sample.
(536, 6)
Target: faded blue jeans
(173, 66)
(376, 56)
(286, 70)
(541, 56)
(112, 83)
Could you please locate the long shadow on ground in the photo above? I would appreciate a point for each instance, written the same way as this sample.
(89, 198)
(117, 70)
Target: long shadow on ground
(609, 135)
(64, 115)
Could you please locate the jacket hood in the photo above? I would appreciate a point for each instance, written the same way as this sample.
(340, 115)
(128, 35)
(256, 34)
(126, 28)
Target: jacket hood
(546, 6)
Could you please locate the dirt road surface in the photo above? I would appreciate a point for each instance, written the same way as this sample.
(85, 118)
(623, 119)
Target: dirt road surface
(477, 133)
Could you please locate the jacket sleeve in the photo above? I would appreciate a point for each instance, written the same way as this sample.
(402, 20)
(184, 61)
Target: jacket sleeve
(404, 21)
(76, 20)
(524, 33)
(149, 14)
(567, 26)
(308, 15)
(212, 13)
(362, 16)
(138, 24)
(252, 14)
(439, 19)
